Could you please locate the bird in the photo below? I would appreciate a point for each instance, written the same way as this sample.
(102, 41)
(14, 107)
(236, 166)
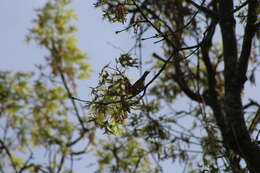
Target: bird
(137, 87)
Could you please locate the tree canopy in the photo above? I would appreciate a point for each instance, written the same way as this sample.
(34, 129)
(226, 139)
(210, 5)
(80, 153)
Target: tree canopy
(190, 104)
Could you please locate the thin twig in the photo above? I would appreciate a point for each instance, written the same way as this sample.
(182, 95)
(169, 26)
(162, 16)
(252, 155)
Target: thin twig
(9, 155)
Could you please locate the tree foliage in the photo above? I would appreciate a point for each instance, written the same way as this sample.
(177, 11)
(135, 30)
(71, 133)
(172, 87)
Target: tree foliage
(203, 59)
(193, 109)
(35, 109)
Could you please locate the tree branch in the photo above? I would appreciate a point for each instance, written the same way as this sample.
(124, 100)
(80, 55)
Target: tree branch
(156, 28)
(61, 163)
(9, 155)
(207, 11)
(55, 52)
(241, 6)
(236, 135)
(249, 34)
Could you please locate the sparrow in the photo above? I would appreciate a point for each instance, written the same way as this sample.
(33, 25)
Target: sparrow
(138, 86)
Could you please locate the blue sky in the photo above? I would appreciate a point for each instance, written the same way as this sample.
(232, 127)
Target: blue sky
(93, 35)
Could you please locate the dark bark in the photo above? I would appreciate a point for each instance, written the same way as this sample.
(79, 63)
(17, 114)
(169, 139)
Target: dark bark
(229, 113)
(213, 98)
(236, 135)
(250, 31)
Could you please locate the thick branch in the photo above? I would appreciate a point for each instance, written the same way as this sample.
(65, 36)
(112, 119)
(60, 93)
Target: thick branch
(237, 136)
(212, 101)
(206, 59)
(250, 31)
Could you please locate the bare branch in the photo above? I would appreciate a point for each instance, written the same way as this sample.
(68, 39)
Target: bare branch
(249, 34)
(207, 11)
(9, 155)
(241, 6)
